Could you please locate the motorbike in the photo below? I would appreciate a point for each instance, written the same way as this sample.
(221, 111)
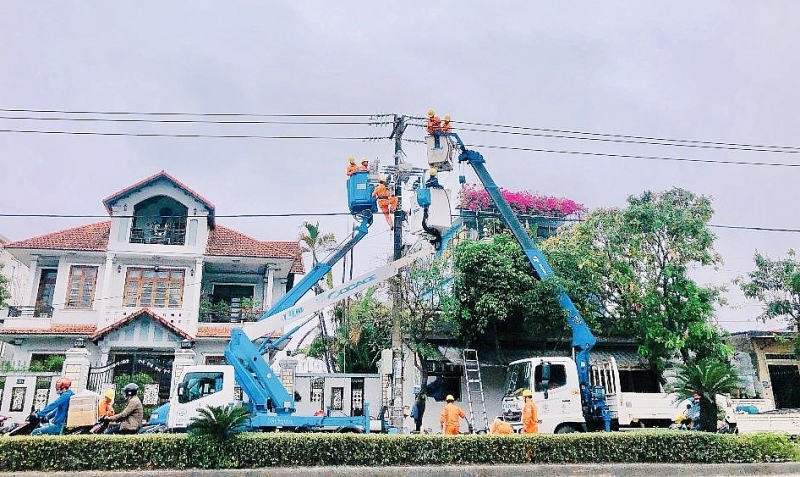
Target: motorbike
(26, 427)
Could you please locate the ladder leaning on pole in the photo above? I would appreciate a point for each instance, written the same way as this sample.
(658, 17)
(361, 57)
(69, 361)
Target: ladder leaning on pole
(475, 398)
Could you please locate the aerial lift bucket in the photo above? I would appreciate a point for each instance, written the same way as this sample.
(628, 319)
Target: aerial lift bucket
(359, 194)
(440, 157)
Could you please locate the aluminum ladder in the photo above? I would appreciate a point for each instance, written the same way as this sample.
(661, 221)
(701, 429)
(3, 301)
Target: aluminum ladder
(477, 403)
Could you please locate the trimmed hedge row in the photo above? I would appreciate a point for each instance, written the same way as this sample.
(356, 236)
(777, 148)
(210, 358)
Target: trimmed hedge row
(177, 451)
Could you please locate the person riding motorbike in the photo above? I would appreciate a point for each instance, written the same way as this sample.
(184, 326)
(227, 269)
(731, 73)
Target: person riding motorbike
(130, 419)
(56, 411)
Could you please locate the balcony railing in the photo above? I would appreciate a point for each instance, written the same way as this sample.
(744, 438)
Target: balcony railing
(229, 317)
(162, 235)
(31, 311)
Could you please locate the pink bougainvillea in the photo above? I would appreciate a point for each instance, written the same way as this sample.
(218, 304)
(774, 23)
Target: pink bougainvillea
(474, 198)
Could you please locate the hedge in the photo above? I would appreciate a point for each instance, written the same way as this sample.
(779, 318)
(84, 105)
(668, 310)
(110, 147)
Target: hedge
(254, 450)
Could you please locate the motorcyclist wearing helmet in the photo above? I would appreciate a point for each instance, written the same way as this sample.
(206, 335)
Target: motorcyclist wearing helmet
(130, 419)
(57, 410)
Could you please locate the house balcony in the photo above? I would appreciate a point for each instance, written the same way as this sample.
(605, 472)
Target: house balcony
(19, 311)
(160, 235)
(240, 316)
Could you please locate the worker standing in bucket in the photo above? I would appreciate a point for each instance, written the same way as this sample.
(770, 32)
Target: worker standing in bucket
(352, 168)
(450, 414)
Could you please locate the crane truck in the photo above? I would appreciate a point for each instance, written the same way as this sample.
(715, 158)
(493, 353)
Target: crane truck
(568, 397)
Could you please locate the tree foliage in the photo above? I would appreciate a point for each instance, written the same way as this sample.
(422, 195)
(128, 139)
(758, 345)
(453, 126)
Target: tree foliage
(707, 377)
(5, 293)
(776, 284)
(626, 270)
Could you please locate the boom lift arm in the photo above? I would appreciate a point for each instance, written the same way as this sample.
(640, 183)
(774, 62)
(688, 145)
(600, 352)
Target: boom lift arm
(593, 400)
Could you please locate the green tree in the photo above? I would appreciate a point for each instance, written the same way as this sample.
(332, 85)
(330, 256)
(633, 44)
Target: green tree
(707, 377)
(776, 284)
(218, 423)
(5, 293)
(315, 242)
(632, 265)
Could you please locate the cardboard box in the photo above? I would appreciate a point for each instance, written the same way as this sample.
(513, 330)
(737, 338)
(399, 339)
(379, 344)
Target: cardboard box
(82, 411)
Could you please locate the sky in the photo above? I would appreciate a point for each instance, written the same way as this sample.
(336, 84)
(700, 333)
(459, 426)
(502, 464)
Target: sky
(719, 73)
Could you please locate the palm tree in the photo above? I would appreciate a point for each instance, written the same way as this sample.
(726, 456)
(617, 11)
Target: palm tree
(218, 422)
(315, 242)
(707, 378)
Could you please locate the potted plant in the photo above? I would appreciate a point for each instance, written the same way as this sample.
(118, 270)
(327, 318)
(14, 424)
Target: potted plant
(249, 309)
(206, 308)
(221, 311)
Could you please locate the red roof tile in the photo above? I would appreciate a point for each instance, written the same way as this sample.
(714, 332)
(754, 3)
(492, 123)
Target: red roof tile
(212, 331)
(226, 242)
(53, 330)
(93, 237)
(155, 177)
(143, 312)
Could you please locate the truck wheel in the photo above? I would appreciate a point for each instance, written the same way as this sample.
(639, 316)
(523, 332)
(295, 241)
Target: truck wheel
(565, 429)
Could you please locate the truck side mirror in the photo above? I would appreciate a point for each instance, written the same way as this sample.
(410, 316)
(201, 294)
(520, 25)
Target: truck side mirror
(546, 379)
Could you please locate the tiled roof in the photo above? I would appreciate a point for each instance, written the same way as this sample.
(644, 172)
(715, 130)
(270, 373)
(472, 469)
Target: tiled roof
(92, 237)
(155, 177)
(226, 242)
(143, 312)
(211, 331)
(53, 330)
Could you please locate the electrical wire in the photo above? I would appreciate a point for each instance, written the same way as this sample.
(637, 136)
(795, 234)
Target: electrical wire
(201, 121)
(184, 136)
(133, 113)
(625, 156)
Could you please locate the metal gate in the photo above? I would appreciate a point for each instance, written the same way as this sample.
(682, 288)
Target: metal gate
(100, 377)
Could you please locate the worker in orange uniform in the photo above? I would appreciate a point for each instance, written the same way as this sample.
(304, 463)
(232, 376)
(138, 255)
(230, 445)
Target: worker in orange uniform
(106, 406)
(530, 419)
(449, 418)
(386, 201)
(364, 165)
(352, 168)
(499, 426)
(446, 124)
(434, 123)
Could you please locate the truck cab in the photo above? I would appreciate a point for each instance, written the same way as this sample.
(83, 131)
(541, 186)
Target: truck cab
(199, 387)
(556, 393)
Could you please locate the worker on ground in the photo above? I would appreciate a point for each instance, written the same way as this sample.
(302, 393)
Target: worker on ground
(500, 426)
(352, 168)
(387, 202)
(56, 411)
(433, 180)
(450, 414)
(530, 419)
(130, 419)
(364, 165)
(106, 406)
(446, 124)
(434, 127)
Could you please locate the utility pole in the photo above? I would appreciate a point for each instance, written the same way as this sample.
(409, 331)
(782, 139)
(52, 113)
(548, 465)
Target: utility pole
(397, 416)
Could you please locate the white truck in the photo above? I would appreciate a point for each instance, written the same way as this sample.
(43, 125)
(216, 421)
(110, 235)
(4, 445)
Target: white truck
(558, 399)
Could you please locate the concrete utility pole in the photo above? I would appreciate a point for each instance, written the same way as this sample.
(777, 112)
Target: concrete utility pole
(397, 334)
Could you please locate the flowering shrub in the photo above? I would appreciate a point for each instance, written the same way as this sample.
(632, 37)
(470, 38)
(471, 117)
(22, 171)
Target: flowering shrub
(474, 198)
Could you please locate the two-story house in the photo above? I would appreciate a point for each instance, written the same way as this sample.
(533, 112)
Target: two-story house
(16, 275)
(159, 276)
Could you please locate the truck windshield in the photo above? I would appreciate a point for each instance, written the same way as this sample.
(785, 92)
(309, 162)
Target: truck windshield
(518, 378)
(197, 385)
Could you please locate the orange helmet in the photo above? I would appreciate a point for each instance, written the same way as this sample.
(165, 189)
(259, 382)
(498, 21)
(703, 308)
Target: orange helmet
(63, 384)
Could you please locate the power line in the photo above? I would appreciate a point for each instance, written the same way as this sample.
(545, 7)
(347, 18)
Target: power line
(199, 121)
(626, 156)
(336, 214)
(152, 113)
(184, 136)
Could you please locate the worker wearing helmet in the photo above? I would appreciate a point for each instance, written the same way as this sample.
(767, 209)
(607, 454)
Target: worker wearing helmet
(106, 406)
(387, 201)
(446, 124)
(364, 165)
(434, 123)
(352, 168)
(130, 419)
(433, 180)
(530, 419)
(449, 418)
(56, 411)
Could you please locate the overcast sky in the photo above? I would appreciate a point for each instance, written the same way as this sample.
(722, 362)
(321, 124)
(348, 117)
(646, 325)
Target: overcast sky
(719, 72)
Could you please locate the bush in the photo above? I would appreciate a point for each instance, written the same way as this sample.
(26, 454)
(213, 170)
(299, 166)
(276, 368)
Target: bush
(254, 450)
